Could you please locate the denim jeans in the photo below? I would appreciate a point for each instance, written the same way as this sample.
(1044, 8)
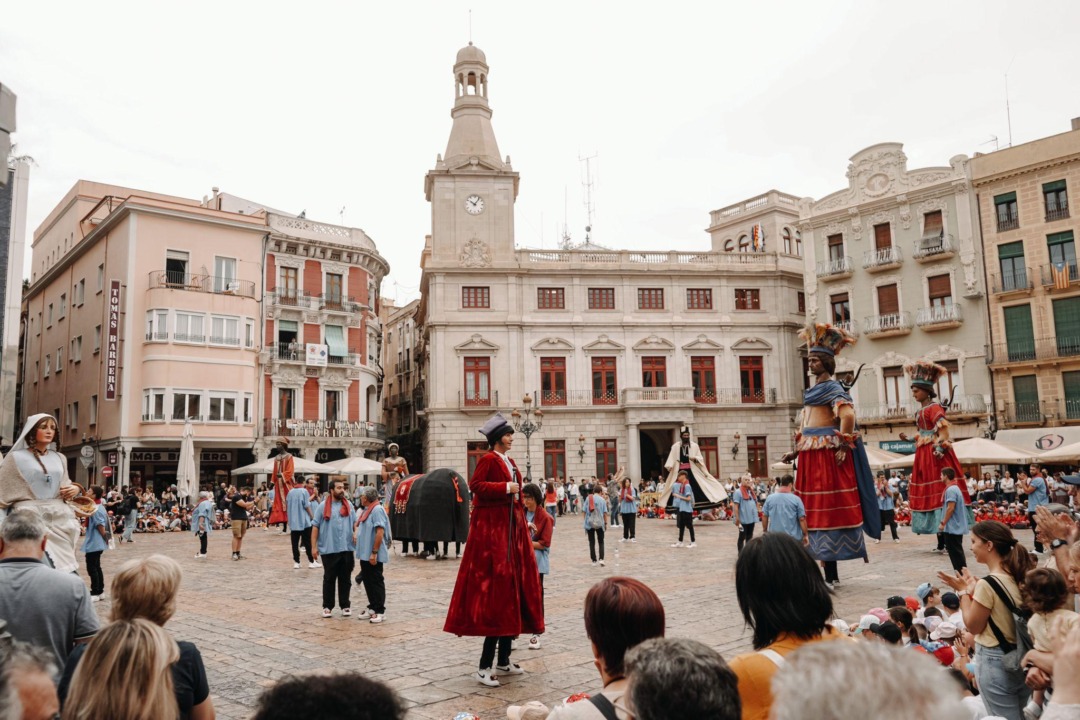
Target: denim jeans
(1003, 692)
(129, 524)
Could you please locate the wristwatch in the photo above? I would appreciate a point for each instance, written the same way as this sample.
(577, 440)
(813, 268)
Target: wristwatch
(1058, 543)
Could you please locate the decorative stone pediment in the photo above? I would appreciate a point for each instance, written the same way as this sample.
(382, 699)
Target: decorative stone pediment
(945, 352)
(751, 344)
(289, 261)
(890, 359)
(288, 378)
(553, 344)
(477, 345)
(603, 344)
(703, 344)
(654, 343)
(475, 254)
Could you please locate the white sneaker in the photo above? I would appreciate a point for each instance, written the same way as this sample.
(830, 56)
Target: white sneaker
(897, 541)
(633, 540)
(432, 556)
(199, 556)
(622, 539)
(511, 669)
(326, 612)
(315, 564)
(486, 677)
(676, 544)
(296, 566)
(601, 563)
(693, 544)
(877, 542)
(346, 612)
(513, 644)
(534, 642)
(365, 615)
(95, 598)
(376, 618)
(594, 563)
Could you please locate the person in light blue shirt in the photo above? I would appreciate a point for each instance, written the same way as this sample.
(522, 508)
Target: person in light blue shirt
(298, 510)
(95, 543)
(784, 512)
(746, 510)
(682, 494)
(954, 522)
(202, 521)
(628, 508)
(886, 500)
(595, 509)
(1035, 489)
(332, 538)
(372, 540)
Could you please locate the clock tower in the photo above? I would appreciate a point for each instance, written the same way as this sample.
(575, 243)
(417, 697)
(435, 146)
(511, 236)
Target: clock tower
(472, 189)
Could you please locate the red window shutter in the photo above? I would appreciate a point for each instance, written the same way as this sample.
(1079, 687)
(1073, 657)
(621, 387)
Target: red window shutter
(888, 300)
(932, 223)
(939, 286)
(882, 236)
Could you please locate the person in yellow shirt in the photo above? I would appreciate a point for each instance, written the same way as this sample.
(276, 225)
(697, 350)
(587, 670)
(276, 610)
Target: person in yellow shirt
(786, 603)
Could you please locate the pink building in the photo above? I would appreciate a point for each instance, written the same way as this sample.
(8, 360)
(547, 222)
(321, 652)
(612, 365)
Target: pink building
(147, 311)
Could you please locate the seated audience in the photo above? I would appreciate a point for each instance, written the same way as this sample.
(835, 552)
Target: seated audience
(341, 696)
(680, 678)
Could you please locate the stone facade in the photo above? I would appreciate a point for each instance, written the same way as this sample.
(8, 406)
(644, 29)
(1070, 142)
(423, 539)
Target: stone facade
(402, 394)
(616, 348)
(895, 258)
(1029, 232)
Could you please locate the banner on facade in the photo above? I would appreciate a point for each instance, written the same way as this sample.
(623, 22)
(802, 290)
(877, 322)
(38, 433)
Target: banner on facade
(324, 428)
(173, 456)
(316, 355)
(112, 343)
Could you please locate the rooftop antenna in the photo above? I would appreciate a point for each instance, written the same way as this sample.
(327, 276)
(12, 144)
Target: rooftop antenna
(470, 26)
(1008, 112)
(587, 184)
(341, 214)
(565, 242)
(993, 139)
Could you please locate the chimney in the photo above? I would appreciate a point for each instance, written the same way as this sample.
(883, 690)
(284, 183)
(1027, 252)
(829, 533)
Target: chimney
(1076, 123)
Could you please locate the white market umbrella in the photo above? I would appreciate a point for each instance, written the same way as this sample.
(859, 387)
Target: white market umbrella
(782, 467)
(1063, 454)
(980, 450)
(881, 458)
(187, 481)
(356, 466)
(300, 465)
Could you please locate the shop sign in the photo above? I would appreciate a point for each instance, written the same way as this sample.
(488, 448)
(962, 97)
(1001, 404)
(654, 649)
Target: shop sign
(173, 456)
(324, 428)
(112, 344)
(904, 447)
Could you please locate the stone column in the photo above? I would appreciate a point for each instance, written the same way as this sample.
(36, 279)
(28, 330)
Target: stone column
(633, 448)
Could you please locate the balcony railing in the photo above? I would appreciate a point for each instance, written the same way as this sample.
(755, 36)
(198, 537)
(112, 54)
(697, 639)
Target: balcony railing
(1008, 223)
(478, 400)
(337, 303)
(1024, 412)
(189, 338)
(658, 396)
(290, 298)
(895, 411)
(939, 315)
(898, 323)
(351, 358)
(1057, 213)
(967, 405)
(402, 367)
(1072, 408)
(850, 325)
(1015, 281)
(834, 268)
(287, 351)
(153, 417)
(299, 428)
(1053, 276)
(931, 247)
(201, 283)
(1033, 350)
(882, 258)
(565, 398)
(157, 336)
(231, 340)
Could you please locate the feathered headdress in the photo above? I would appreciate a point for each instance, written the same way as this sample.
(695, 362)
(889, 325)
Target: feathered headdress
(825, 338)
(924, 373)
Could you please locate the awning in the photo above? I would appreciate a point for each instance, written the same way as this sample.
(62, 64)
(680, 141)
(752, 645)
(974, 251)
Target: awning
(335, 341)
(288, 325)
(1039, 439)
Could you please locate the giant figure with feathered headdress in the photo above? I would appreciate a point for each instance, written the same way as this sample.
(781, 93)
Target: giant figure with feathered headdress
(833, 475)
(933, 451)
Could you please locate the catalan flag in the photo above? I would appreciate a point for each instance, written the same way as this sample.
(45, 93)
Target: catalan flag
(1060, 274)
(758, 234)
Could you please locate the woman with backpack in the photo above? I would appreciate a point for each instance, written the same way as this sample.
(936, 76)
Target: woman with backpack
(596, 514)
(993, 612)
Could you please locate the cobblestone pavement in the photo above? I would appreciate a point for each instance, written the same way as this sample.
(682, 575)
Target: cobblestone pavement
(258, 619)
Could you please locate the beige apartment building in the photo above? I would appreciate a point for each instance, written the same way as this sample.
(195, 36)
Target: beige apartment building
(142, 315)
(895, 258)
(615, 349)
(1029, 234)
(402, 392)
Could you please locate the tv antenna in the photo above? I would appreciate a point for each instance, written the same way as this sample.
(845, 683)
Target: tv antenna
(587, 185)
(993, 139)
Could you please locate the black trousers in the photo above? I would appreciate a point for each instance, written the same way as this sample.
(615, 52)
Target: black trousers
(93, 569)
(488, 655)
(202, 541)
(593, 535)
(941, 541)
(746, 532)
(685, 521)
(337, 571)
(888, 517)
(955, 546)
(405, 546)
(1035, 532)
(301, 538)
(374, 585)
(629, 522)
(831, 572)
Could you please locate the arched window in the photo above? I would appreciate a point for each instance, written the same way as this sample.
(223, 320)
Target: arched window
(744, 243)
(798, 243)
(787, 240)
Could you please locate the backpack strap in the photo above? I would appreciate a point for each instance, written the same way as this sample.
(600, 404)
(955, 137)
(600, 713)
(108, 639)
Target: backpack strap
(1004, 595)
(603, 706)
(776, 658)
(999, 590)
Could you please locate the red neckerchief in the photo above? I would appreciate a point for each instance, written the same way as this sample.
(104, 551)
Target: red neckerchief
(367, 512)
(329, 503)
(745, 492)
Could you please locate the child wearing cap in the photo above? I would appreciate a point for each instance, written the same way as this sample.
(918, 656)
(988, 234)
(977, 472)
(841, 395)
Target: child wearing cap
(1045, 593)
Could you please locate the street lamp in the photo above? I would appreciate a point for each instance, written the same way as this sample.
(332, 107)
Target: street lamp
(581, 448)
(527, 422)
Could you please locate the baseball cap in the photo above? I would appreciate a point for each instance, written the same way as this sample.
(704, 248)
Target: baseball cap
(945, 655)
(879, 613)
(923, 591)
(944, 631)
(1071, 479)
(894, 601)
(887, 631)
(840, 625)
(951, 600)
(931, 623)
(912, 604)
(865, 622)
(529, 711)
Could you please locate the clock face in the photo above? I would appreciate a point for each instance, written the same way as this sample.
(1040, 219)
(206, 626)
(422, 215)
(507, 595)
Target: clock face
(474, 204)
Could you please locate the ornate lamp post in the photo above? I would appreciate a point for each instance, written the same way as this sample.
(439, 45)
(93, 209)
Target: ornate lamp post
(527, 422)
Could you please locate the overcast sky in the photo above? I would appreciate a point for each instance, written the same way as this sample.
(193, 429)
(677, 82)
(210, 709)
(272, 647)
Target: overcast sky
(689, 107)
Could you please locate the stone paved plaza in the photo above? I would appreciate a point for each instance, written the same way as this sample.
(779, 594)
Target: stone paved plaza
(258, 619)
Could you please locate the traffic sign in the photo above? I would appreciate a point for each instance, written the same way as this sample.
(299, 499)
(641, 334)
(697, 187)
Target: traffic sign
(87, 461)
(106, 472)
(87, 451)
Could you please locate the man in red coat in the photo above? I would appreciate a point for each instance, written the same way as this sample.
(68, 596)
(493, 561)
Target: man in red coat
(497, 595)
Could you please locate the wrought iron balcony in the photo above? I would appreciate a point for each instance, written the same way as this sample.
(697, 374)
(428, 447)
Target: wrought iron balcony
(882, 259)
(1057, 213)
(939, 317)
(935, 247)
(887, 325)
(850, 325)
(1021, 413)
(1034, 350)
(1008, 223)
(1060, 278)
(658, 396)
(1010, 282)
(199, 282)
(835, 269)
(477, 400)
